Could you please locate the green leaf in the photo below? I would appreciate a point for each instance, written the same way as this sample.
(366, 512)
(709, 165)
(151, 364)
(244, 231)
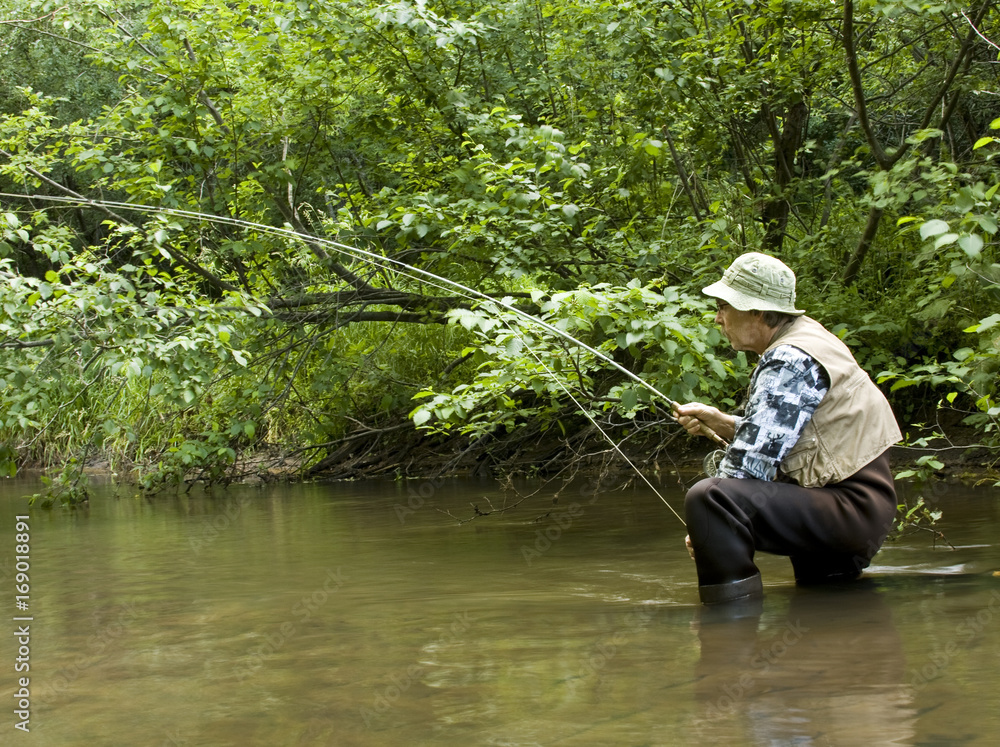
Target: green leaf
(971, 244)
(986, 324)
(630, 399)
(945, 239)
(933, 228)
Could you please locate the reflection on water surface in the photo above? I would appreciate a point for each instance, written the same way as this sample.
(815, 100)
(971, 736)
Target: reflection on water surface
(359, 614)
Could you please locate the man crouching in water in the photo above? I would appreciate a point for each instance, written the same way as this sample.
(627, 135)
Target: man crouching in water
(807, 472)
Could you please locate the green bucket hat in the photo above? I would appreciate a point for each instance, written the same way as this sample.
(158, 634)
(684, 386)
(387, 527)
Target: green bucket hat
(757, 282)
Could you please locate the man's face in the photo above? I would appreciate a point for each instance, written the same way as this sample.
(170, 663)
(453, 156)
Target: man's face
(745, 330)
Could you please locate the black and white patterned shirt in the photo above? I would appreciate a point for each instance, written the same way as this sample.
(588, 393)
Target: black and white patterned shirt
(785, 390)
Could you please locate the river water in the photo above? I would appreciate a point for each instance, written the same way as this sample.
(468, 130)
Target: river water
(361, 614)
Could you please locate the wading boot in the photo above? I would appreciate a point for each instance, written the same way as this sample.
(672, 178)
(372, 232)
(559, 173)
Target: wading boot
(746, 588)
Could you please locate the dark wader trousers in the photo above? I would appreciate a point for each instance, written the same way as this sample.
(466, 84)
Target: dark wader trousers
(829, 533)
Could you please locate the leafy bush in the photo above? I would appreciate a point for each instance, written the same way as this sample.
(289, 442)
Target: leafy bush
(529, 370)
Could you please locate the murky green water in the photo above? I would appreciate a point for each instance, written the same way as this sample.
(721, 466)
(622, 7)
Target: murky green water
(358, 614)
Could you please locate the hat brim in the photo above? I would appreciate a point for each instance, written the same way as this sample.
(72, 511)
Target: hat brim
(744, 302)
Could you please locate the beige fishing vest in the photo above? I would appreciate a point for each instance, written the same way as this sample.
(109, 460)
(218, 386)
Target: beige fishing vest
(853, 423)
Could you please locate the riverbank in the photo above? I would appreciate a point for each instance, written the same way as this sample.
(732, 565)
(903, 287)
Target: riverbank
(416, 455)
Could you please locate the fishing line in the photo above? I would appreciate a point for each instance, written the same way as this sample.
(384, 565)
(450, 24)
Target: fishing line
(414, 273)
(579, 406)
(586, 414)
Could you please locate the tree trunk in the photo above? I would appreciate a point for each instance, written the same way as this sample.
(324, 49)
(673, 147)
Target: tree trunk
(864, 244)
(786, 147)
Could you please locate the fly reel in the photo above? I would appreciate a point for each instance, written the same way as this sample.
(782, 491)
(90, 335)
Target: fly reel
(710, 464)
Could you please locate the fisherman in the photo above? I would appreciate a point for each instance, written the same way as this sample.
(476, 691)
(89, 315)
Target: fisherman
(806, 473)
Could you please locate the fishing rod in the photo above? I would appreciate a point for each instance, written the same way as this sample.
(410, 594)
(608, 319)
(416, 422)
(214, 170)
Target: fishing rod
(403, 267)
(378, 260)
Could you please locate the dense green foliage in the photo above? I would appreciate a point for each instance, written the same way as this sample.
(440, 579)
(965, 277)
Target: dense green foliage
(175, 175)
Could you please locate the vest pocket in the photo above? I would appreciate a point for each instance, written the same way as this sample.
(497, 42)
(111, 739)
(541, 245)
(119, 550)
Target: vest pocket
(859, 379)
(800, 458)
